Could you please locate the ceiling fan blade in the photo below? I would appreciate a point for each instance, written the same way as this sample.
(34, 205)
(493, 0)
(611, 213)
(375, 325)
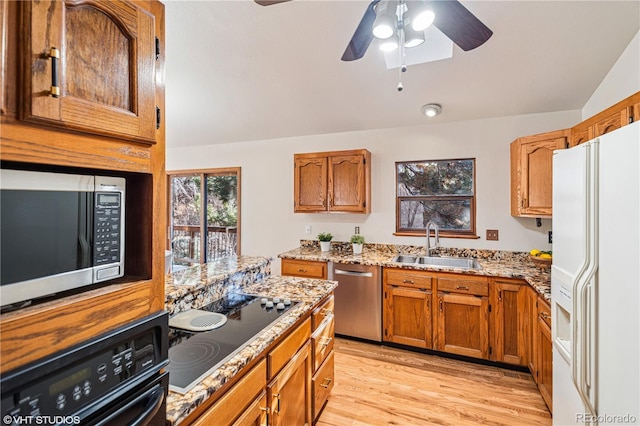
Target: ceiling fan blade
(361, 39)
(269, 2)
(461, 26)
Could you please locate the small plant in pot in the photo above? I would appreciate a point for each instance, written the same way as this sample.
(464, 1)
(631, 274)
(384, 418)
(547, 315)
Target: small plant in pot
(357, 241)
(325, 241)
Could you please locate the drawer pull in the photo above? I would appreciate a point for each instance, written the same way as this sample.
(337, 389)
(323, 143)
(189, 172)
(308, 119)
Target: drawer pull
(325, 341)
(407, 281)
(326, 382)
(462, 287)
(326, 312)
(277, 409)
(302, 270)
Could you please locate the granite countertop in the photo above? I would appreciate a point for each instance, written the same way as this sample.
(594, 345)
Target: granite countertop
(306, 291)
(494, 263)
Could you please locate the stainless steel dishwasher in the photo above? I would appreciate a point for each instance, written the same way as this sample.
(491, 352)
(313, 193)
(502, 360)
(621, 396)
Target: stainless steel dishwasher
(358, 301)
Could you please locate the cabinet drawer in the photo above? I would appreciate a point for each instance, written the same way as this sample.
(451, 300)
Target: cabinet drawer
(322, 311)
(256, 413)
(408, 278)
(322, 384)
(322, 341)
(282, 353)
(304, 268)
(478, 286)
(234, 402)
(544, 311)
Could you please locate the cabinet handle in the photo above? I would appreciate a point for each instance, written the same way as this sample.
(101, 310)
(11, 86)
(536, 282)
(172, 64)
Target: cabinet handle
(302, 270)
(277, 410)
(545, 315)
(440, 305)
(325, 341)
(500, 295)
(326, 312)
(326, 382)
(407, 281)
(462, 287)
(54, 54)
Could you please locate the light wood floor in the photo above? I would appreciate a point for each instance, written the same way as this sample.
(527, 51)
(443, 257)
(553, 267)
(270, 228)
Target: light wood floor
(377, 385)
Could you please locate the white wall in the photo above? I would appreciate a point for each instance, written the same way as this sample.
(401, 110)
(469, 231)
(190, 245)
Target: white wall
(269, 225)
(622, 81)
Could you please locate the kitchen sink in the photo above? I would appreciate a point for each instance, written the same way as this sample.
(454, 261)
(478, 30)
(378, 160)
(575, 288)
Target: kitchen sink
(456, 262)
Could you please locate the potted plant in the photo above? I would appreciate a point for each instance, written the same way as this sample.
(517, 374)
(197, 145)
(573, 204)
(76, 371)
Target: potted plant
(357, 241)
(325, 241)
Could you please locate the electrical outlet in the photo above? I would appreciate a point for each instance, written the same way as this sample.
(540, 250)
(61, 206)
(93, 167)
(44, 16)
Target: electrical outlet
(492, 235)
(550, 238)
(357, 230)
(307, 229)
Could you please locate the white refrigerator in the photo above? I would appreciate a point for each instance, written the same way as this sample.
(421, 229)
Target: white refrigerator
(595, 281)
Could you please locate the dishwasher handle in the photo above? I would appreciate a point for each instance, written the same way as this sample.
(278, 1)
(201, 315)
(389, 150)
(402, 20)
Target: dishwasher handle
(353, 273)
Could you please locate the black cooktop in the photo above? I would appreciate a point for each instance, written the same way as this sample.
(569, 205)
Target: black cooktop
(195, 355)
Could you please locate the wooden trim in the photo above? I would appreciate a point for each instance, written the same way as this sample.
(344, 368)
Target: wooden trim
(625, 103)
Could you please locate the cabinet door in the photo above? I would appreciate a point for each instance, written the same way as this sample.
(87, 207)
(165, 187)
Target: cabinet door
(289, 394)
(583, 135)
(545, 362)
(462, 325)
(310, 184)
(347, 186)
(255, 414)
(508, 322)
(407, 316)
(611, 122)
(89, 66)
(531, 173)
(323, 382)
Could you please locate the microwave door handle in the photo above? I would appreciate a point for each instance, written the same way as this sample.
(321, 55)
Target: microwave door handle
(85, 219)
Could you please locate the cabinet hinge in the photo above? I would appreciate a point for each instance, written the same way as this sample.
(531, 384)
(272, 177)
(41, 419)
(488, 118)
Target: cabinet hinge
(157, 48)
(489, 308)
(385, 294)
(385, 331)
(490, 350)
(157, 117)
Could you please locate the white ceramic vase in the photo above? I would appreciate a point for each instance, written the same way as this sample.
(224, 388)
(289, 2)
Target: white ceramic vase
(357, 248)
(325, 245)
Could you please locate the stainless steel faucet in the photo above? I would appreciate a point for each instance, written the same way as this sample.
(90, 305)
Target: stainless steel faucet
(437, 237)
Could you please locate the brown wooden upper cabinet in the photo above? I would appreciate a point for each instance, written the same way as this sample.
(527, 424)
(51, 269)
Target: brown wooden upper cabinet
(89, 66)
(624, 112)
(336, 181)
(531, 173)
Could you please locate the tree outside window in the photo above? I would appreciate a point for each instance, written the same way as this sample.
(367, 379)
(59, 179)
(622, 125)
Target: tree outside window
(200, 235)
(439, 191)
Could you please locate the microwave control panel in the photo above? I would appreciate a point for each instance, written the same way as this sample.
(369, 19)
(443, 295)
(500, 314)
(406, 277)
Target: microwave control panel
(108, 228)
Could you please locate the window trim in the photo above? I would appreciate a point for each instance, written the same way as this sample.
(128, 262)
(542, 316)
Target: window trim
(468, 234)
(219, 171)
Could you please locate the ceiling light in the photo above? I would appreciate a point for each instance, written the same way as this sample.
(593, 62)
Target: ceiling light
(431, 110)
(422, 16)
(389, 44)
(386, 20)
(412, 38)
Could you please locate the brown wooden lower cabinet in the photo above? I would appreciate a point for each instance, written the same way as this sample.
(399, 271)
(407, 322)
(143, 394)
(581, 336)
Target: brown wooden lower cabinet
(407, 316)
(256, 413)
(544, 347)
(323, 381)
(304, 268)
(289, 393)
(237, 399)
(462, 325)
(509, 321)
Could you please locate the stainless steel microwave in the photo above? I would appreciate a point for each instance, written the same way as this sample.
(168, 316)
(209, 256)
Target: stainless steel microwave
(58, 232)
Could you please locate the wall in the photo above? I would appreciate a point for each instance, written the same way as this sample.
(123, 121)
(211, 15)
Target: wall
(621, 81)
(269, 225)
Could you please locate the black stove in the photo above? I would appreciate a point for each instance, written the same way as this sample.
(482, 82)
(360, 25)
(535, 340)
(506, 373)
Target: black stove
(195, 355)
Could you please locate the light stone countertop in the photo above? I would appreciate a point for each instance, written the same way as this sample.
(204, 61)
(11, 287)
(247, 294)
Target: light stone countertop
(494, 263)
(308, 292)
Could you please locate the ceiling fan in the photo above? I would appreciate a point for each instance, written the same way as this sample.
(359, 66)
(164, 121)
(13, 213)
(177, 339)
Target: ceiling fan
(451, 18)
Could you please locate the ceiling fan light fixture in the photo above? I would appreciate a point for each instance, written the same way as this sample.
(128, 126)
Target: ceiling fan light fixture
(390, 44)
(384, 26)
(412, 38)
(431, 110)
(421, 17)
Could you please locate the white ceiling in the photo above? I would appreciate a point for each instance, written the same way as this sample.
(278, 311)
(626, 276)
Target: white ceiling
(237, 71)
